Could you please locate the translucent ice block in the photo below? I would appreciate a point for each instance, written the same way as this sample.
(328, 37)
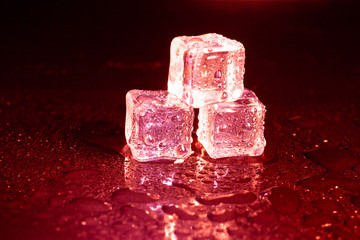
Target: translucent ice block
(233, 128)
(158, 125)
(206, 69)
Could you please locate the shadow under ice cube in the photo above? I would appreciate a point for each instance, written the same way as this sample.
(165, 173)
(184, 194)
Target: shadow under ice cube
(233, 128)
(158, 125)
(206, 69)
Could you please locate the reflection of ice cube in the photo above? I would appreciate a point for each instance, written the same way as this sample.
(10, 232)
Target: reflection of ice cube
(158, 125)
(206, 69)
(233, 128)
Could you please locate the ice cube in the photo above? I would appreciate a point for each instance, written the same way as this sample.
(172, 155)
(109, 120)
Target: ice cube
(233, 128)
(158, 125)
(206, 69)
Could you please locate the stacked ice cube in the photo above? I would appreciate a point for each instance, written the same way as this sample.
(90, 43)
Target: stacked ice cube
(206, 72)
(158, 125)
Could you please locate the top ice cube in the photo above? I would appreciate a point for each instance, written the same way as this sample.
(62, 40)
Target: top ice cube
(206, 69)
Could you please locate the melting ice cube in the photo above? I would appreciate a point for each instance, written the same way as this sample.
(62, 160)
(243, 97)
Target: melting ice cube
(206, 69)
(158, 125)
(233, 128)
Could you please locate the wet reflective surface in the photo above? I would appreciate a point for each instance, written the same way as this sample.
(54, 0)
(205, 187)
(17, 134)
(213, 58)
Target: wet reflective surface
(66, 172)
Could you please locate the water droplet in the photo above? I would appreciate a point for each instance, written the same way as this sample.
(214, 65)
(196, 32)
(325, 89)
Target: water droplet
(140, 214)
(175, 118)
(204, 73)
(246, 126)
(207, 180)
(195, 39)
(319, 220)
(181, 213)
(249, 144)
(244, 101)
(217, 74)
(148, 98)
(221, 215)
(326, 205)
(149, 140)
(222, 128)
(180, 150)
(259, 151)
(238, 198)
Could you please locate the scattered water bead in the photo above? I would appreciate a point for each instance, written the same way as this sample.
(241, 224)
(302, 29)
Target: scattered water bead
(341, 234)
(126, 195)
(90, 205)
(284, 200)
(139, 214)
(266, 218)
(242, 180)
(237, 198)
(14, 162)
(306, 121)
(328, 181)
(333, 159)
(352, 223)
(222, 215)
(81, 174)
(233, 128)
(40, 195)
(235, 232)
(181, 213)
(124, 229)
(319, 220)
(326, 205)
(217, 74)
(286, 229)
(184, 186)
(158, 125)
(272, 144)
(200, 71)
